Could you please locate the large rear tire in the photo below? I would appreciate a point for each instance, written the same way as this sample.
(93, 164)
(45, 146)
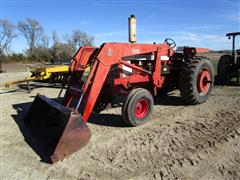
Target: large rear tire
(196, 80)
(138, 107)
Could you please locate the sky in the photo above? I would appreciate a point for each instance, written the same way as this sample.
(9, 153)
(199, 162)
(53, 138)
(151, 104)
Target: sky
(198, 23)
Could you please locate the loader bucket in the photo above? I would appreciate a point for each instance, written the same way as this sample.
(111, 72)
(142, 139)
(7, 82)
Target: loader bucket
(58, 130)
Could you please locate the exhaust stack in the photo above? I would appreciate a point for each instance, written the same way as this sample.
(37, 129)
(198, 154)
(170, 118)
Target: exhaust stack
(132, 29)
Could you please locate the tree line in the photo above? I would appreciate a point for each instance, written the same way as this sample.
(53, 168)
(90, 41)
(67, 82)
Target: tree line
(38, 46)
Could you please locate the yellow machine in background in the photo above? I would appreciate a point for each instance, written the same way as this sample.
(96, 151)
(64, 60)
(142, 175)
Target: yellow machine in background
(44, 72)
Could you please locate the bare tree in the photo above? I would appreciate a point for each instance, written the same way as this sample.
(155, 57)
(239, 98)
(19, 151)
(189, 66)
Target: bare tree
(70, 43)
(62, 50)
(32, 31)
(82, 39)
(45, 40)
(55, 37)
(6, 34)
(67, 48)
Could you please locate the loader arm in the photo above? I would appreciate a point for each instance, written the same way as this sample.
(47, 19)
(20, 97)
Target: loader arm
(82, 57)
(79, 63)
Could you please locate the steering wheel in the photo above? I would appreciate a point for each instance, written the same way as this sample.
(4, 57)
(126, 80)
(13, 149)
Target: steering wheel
(170, 42)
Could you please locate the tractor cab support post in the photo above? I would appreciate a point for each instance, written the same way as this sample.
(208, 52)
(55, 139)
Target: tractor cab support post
(233, 43)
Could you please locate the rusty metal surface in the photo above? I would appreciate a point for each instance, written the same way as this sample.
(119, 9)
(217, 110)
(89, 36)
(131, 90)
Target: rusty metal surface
(58, 130)
(76, 135)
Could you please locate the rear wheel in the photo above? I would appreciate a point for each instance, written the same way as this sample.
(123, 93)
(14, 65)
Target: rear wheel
(138, 107)
(196, 80)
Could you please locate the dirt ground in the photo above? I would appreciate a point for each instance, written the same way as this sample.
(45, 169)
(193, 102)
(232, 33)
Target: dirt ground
(181, 142)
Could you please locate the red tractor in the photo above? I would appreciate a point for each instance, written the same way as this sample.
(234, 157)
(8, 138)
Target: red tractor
(134, 71)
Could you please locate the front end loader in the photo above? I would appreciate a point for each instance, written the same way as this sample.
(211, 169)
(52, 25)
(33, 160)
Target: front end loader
(136, 72)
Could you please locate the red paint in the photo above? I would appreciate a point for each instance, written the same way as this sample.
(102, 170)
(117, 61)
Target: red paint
(203, 80)
(141, 108)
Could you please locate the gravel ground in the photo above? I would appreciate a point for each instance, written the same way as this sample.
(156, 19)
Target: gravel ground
(181, 142)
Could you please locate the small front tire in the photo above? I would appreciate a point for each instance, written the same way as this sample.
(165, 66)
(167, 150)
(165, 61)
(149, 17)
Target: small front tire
(138, 107)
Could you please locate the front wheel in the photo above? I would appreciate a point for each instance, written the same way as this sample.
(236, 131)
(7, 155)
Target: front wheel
(138, 107)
